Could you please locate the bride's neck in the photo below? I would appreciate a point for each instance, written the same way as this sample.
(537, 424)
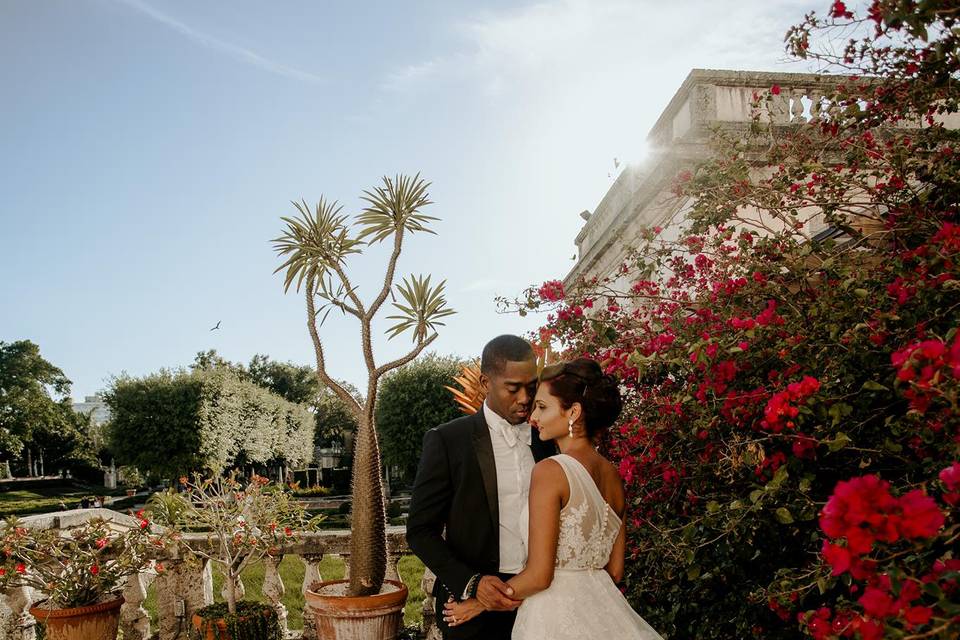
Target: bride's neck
(570, 445)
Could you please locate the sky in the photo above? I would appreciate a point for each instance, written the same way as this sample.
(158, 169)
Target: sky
(149, 149)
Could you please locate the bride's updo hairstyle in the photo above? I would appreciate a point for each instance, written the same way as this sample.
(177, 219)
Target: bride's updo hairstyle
(582, 380)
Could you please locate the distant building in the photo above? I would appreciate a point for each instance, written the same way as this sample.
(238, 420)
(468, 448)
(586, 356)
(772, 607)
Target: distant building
(97, 409)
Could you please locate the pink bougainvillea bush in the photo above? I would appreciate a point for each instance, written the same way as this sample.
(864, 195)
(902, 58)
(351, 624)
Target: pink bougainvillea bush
(791, 443)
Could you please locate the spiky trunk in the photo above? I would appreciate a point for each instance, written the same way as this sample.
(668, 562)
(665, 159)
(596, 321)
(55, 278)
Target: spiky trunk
(368, 544)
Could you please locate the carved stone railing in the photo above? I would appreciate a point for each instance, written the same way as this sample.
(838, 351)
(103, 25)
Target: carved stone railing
(182, 587)
(709, 98)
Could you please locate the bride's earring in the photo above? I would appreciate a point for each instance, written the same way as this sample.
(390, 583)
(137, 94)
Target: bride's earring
(570, 427)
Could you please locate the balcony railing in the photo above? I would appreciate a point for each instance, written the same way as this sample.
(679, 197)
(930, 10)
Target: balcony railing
(183, 587)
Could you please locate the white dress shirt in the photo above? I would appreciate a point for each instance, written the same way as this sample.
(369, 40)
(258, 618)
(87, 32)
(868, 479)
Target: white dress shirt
(514, 460)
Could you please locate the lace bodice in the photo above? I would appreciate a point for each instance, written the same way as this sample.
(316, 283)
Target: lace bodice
(588, 525)
(582, 601)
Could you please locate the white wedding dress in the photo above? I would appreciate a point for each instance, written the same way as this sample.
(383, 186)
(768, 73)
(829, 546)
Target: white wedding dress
(583, 601)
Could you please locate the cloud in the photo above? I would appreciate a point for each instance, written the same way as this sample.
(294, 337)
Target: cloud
(484, 284)
(231, 50)
(547, 42)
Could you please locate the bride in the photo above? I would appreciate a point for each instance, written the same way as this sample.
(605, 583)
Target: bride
(576, 536)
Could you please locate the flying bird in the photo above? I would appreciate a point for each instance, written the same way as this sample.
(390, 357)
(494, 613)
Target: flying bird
(216, 327)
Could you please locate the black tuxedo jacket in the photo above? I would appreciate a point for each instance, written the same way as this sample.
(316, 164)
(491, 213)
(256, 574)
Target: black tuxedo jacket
(456, 490)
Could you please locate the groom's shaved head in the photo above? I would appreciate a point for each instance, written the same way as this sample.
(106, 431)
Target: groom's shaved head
(503, 349)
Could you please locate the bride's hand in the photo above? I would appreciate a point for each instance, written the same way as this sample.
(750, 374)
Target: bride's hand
(456, 613)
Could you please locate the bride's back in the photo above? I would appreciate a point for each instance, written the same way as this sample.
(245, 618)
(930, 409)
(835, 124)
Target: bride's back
(588, 523)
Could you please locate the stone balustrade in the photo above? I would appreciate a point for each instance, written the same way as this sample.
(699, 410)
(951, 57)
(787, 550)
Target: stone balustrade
(710, 98)
(183, 585)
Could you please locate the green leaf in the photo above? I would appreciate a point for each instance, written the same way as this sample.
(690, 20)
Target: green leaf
(840, 441)
(394, 208)
(783, 515)
(870, 385)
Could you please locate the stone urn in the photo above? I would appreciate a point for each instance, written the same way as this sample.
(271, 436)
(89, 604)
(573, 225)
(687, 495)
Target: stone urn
(342, 617)
(92, 622)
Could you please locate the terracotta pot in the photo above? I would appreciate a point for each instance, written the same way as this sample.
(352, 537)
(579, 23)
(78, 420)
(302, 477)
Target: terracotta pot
(93, 622)
(362, 618)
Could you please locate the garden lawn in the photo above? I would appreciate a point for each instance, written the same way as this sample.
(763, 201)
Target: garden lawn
(291, 571)
(22, 502)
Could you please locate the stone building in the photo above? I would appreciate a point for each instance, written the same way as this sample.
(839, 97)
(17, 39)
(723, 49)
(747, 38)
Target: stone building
(640, 198)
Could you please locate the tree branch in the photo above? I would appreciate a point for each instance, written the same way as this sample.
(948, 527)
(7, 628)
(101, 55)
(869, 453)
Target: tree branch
(363, 316)
(388, 278)
(325, 378)
(405, 359)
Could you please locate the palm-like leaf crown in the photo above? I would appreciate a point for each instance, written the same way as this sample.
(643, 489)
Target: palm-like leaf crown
(314, 242)
(395, 206)
(470, 395)
(423, 307)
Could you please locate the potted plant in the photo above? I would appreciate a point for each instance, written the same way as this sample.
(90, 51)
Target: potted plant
(80, 570)
(314, 247)
(232, 524)
(132, 479)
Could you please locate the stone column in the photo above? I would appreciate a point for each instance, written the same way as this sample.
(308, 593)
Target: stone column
(393, 562)
(182, 588)
(311, 574)
(134, 619)
(16, 623)
(430, 629)
(273, 588)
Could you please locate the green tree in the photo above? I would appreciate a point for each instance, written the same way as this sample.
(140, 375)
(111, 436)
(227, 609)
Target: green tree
(154, 422)
(27, 385)
(65, 442)
(295, 383)
(336, 421)
(413, 400)
(314, 247)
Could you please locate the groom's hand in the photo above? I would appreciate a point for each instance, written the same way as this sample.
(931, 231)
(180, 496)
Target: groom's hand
(496, 595)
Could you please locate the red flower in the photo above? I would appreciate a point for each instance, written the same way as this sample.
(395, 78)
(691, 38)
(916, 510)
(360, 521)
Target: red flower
(877, 603)
(21, 568)
(918, 615)
(94, 569)
(551, 291)
(950, 477)
(920, 516)
(839, 10)
(837, 557)
(775, 89)
(101, 543)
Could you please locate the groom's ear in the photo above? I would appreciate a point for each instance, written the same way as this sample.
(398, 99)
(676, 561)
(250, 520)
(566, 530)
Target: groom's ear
(484, 383)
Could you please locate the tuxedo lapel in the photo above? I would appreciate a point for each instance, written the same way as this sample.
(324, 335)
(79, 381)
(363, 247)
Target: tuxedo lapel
(483, 448)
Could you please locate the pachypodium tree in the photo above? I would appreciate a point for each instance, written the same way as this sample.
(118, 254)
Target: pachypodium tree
(792, 429)
(315, 247)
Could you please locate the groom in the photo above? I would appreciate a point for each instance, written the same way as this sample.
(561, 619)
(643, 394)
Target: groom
(474, 479)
